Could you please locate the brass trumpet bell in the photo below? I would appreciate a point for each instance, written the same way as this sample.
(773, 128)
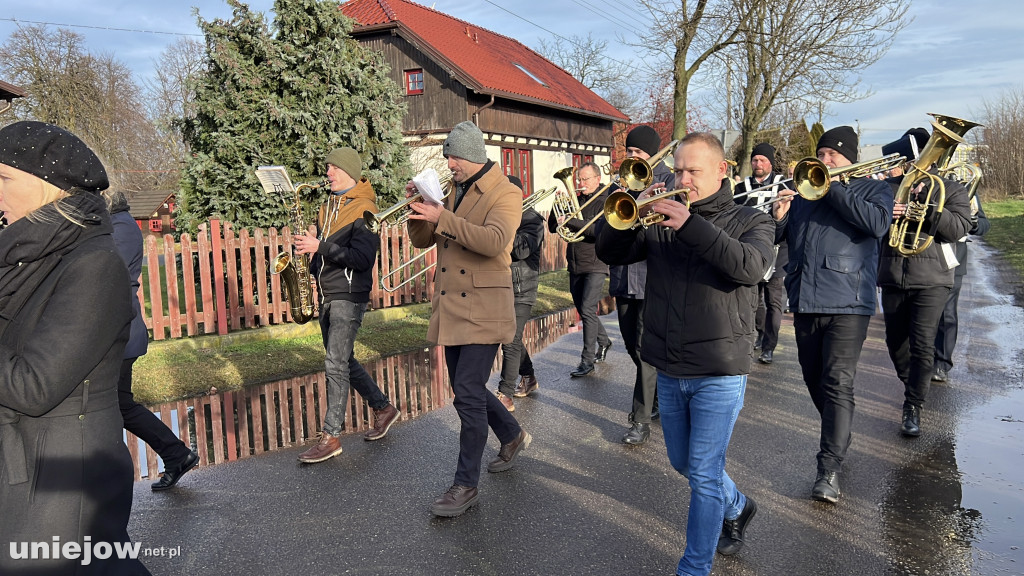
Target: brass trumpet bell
(622, 211)
(812, 177)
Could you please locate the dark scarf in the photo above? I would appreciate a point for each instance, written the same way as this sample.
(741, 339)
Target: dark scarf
(29, 252)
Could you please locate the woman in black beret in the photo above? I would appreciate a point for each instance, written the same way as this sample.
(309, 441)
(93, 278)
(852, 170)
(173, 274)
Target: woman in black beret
(65, 472)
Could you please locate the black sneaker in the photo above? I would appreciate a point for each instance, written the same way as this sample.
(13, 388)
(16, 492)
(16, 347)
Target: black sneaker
(731, 540)
(940, 375)
(826, 487)
(911, 420)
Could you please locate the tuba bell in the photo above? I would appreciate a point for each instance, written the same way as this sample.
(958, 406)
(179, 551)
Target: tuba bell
(907, 235)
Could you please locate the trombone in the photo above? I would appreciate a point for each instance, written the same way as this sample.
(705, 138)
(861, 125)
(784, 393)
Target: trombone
(812, 178)
(634, 174)
(622, 211)
(399, 213)
(529, 202)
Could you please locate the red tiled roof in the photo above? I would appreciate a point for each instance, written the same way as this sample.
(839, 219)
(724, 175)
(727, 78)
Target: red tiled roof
(482, 60)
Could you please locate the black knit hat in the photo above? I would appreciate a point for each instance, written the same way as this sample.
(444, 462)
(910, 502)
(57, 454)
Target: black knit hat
(644, 138)
(53, 154)
(909, 145)
(764, 149)
(842, 139)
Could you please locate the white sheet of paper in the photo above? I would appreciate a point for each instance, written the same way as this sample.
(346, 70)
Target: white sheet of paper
(429, 185)
(275, 180)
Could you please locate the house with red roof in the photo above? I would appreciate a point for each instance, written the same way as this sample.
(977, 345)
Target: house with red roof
(536, 118)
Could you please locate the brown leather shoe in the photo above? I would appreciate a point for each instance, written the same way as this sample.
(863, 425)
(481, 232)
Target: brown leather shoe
(507, 455)
(382, 421)
(455, 501)
(527, 385)
(506, 401)
(327, 447)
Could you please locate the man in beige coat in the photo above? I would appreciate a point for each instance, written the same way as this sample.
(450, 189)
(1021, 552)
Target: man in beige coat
(473, 311)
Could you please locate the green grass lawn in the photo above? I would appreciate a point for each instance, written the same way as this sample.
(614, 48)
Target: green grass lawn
(1007, 232)
(174, 369)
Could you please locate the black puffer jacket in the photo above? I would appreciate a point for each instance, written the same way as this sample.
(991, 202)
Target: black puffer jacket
(526, 257)
(699, 317)
(929, 268)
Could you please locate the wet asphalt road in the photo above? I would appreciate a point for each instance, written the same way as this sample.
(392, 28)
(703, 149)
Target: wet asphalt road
(580, 502)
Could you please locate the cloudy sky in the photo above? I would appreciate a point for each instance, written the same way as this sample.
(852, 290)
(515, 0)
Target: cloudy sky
(951, 57)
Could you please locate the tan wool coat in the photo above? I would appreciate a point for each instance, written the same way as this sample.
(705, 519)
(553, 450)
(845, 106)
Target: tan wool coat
(473, 300)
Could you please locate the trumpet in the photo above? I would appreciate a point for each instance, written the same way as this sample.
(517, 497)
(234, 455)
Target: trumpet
(399, 213)
(622, 211)
(635, 174)
(812, 177)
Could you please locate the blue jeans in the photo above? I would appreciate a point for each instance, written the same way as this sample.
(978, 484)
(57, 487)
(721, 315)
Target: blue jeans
(697, 416)
(339, 322)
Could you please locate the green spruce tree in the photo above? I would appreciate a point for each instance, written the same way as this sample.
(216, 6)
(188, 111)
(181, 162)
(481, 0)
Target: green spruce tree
(286, 99)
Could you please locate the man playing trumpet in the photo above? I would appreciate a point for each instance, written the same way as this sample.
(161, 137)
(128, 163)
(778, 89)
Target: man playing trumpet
(704, 261)
(472, 306)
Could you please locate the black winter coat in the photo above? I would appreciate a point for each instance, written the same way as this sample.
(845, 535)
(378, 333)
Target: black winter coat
(526, 250)
(65, 471)
(701, 285)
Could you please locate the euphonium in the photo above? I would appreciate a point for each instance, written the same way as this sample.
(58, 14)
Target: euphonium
(906, 234)
(295, 271)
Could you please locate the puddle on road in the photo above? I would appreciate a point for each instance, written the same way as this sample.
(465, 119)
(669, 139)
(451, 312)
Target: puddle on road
(958, 507)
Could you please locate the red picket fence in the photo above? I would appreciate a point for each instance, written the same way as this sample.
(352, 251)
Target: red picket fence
(219, 282)
(232, 425)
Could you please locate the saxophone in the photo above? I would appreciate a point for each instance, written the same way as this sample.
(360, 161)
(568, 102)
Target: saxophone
(298, 283)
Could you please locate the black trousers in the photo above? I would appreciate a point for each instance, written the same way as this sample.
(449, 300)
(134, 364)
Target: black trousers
(829, 348)
(586, 295)
(911, 322)
(771, 296)
(645, 388)
(515, 360)
(945, 337)
(469, 367)
(140, 421)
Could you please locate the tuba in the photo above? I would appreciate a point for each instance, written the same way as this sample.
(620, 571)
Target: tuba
(298, 283)
(906, 234)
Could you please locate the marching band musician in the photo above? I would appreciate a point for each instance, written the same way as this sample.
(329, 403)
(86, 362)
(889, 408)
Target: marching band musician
(343, 267)
(915, 288)
(830, 279)
(627, 284)
(771, 292)
(515, 360)
(945, 338)
(704, 261)
(586, 272)
(472, 304)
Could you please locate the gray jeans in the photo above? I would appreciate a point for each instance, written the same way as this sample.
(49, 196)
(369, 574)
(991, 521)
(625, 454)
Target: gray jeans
(339, 322)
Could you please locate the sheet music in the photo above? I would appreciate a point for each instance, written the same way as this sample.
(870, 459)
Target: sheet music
(275, 180)
(429, 185)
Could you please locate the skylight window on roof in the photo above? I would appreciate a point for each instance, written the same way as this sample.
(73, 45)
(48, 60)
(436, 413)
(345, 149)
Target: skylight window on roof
(530, 74)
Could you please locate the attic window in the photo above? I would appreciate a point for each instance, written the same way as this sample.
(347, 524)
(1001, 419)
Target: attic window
(414, 81)
(530, 74)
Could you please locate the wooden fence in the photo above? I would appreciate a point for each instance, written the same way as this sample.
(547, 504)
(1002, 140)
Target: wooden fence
(229, 426)
(220, 281)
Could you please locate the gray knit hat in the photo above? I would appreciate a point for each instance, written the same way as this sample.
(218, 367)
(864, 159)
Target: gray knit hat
(466, 141)
(348, 160)
(53, 154)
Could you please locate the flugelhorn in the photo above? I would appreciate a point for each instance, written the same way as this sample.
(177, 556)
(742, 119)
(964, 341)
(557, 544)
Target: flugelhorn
(622, 211)
(907, 233)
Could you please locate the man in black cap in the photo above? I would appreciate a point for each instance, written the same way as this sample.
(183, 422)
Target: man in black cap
(915, 288)
(770, 291)
(830, 279)
(627, 284)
